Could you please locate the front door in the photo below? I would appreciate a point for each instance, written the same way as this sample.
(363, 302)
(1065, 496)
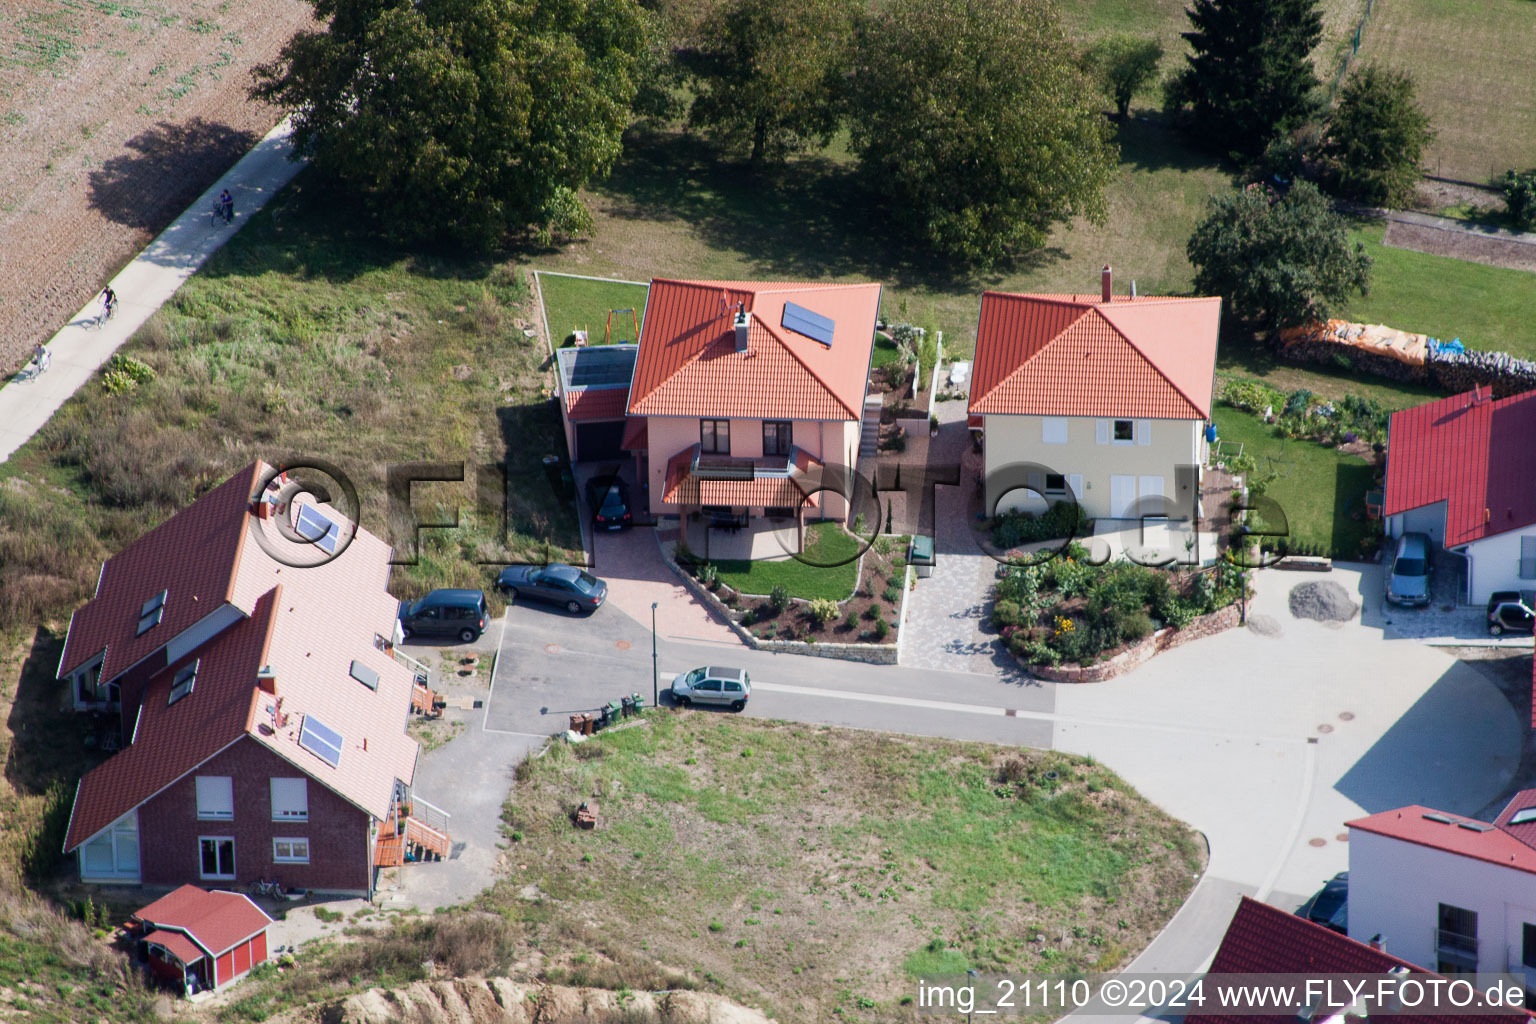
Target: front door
(1122, 495)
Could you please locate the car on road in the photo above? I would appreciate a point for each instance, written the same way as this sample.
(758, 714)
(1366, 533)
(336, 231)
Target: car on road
(456, 613)
(608, 497)
(713, 684)
(1330, 906)
(1511, 611)
(575, 590)
(1408, 580)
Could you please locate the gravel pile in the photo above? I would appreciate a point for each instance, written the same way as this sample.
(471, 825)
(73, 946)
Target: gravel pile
(1264, 625)
(1323, 600)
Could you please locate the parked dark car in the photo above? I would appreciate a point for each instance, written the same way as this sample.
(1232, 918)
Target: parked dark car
(574, 589)
(1408, 579)
(1330, 907)
(457, 613)
(609, 504)
(1511, 611)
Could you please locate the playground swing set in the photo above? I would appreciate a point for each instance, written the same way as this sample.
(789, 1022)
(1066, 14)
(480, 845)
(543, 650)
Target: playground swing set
(580, 334)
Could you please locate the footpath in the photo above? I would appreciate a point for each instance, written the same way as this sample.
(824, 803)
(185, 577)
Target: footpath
(81, 347)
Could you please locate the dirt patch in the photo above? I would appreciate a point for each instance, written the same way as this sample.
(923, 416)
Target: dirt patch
(1461, 245)
(1323, 600)
(116, 117)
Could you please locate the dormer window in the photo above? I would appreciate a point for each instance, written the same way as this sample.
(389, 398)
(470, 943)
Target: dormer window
(182, 684)
(152, 612)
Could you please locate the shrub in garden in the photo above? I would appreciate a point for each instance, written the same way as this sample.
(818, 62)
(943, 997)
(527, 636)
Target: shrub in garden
(1008, 613)
(873, 611)
(709, 575)
(1063, 519)
(882, 628)
(748, 617)
(851, 621)
(822, 611)
(779, 597)
(1251, 396)
(1134, 626)
(1519, 190)
(892, 593)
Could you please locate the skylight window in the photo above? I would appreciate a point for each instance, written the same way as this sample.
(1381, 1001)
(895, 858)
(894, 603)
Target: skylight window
(365, 675)
(1524, 816)
(1476, 826)
(182, 684)
(321, 740)
(810, 324)
(152, 612)
(314, 526)
(1443, 819)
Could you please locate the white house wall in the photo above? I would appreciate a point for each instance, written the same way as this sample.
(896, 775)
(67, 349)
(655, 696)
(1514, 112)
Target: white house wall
(1429, 519)
(1019, 439)
(1395, 889)
(1493, 563)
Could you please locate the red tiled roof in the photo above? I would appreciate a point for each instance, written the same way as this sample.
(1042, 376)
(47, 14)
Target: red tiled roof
(298, 625)
(1471, 452)
(635, 439)
(1494, 846)
(596, 403)
(1267, 940)
(1075, 355)
(1526, 830)
(178, 944)
(194, 587)
(216, 920)
(688, 364)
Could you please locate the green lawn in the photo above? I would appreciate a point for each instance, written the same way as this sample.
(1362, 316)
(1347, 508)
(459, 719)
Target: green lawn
(1474, 62)
(824, 543)
(1489, 308)
(1319, 489)
(576, 303)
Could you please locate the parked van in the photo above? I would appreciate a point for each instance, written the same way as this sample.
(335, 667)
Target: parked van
(455, 613)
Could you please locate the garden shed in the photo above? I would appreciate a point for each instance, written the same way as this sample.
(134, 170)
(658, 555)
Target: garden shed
(202, 940)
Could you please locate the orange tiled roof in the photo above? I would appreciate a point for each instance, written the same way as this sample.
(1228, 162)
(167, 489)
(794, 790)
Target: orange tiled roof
(295, 622)
(1076, 355)
(688, 364)
(586, 404)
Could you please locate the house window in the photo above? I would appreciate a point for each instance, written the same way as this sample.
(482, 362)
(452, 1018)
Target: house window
(1053, 430)
(215, 797)
(779, 512)
(182, 684)
(365, 675)
(290, 851)
(715, 436)
(152, 612)
(776, 437)
(1528, 558)
(290, 800)
(1456, 940)
(216, 856)
(1124, 432)
(1055, 483)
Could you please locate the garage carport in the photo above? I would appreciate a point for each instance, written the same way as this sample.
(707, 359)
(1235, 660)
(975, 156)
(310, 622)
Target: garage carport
(594, 396)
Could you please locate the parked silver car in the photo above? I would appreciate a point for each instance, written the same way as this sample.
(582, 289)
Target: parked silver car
(1408, 579)
(713, 684)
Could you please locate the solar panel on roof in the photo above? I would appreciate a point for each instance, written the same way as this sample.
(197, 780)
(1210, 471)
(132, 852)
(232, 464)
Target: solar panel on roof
(321, 740)
(608, 366)
(313, 525)
(812, 325)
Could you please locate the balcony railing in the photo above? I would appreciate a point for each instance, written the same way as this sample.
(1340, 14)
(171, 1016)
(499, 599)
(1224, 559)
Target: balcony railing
(726, 467)
(1456, 946)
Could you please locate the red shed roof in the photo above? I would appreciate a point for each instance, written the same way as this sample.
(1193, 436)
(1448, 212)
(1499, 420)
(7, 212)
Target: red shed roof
(1076, 355)
(294, 623)
(1267, 940)
(1472, 452)
(217, 921)
(596, 404)
(688, 364)
(1478, 840)
(183, 948)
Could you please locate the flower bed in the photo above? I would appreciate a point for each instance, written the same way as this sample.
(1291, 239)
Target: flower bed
(869, 616)
(1067, 612)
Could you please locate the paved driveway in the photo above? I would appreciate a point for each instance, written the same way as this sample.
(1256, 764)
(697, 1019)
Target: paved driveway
(631, 562)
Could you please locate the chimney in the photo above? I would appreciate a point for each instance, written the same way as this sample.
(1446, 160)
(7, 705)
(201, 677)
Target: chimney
(1108, 280)
(741, 323)
(1378, 943)
(266, 679)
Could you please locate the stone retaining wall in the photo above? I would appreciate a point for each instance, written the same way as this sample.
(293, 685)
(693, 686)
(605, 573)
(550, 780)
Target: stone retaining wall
(1164, 639)
(875, 654)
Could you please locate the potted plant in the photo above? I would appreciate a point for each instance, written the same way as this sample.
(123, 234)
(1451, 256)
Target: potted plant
(933, 426)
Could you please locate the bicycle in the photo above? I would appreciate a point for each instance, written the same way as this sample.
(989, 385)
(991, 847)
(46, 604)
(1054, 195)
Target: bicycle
(104, 316)
(262, 887)
(222, 212)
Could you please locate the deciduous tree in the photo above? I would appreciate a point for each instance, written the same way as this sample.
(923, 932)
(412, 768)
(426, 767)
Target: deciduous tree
(1123, 64)
(1277, 261)
(1249, 75)
(1377, 137)
(973, 120)
(462, 118)
(767, 74)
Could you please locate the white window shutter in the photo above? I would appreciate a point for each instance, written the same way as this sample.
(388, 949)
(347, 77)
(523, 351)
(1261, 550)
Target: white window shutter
(1143, 431)
(1053, 430)
(1075, 481)
(1101, 432)
(215, 796)
(1036, 482)
(1528, 558)
(290, 800)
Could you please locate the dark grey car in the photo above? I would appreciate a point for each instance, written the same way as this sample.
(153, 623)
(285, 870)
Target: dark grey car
(573, 589)
(456, 613)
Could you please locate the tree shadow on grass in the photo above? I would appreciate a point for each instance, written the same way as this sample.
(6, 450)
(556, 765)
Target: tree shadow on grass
(132, 189)
(811, 218)
(1149, 142)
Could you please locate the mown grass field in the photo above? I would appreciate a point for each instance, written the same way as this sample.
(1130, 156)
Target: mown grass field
(1474, 62)
(1320, 489)
(578, 303)
(812, 870)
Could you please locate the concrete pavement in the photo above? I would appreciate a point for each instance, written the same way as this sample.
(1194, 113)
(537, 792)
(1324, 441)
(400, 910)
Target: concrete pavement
(80, 348)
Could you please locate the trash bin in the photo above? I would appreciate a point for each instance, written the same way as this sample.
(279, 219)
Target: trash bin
(921, 556)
